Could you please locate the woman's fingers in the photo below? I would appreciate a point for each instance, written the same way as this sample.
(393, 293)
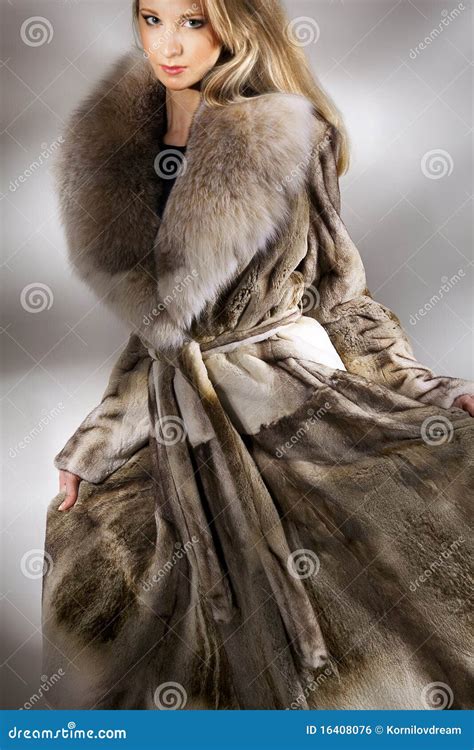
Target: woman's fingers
(465, 402)
(62, 480)
(69, 482)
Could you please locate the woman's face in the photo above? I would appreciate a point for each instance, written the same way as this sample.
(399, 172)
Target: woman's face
(176, 33)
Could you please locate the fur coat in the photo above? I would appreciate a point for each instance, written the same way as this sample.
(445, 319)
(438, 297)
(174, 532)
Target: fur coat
(270, 475)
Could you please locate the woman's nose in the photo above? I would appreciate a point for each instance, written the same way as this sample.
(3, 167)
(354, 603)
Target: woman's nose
(171, 45)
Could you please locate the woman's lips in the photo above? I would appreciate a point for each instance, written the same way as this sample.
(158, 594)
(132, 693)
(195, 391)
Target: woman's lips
(173, 69)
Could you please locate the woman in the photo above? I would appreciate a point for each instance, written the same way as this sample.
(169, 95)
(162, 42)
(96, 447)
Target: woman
(270, 471)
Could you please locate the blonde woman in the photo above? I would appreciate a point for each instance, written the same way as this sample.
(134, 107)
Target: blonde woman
(248, 511)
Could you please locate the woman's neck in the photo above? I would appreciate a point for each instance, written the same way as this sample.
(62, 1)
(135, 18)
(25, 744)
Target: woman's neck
(180, 109)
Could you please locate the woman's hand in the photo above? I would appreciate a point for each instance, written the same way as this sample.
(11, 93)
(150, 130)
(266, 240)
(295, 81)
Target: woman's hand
(465, 402)
(70, 483)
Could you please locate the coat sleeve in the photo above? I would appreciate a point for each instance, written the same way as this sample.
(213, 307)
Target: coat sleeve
(367, 335)
(113, 431)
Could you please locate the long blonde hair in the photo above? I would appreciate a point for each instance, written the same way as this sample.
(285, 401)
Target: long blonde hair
(261, 54)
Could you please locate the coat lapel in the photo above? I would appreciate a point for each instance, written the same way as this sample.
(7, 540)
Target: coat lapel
(242, 164)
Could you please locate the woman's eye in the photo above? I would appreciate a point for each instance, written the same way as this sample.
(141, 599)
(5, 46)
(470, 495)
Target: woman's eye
(201, 22)
(154, 20)
(150, 20)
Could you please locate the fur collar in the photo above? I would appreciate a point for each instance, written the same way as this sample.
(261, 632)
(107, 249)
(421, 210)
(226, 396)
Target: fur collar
(243, 163)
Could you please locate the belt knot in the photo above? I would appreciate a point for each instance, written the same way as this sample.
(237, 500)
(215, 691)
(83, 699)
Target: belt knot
(230, 340)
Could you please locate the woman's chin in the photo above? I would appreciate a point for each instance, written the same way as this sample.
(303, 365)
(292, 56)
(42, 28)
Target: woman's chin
(174, 85)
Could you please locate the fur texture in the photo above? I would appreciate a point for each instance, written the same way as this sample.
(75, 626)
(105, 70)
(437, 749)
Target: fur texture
(109, 189)
(231, 432)
(259, 176)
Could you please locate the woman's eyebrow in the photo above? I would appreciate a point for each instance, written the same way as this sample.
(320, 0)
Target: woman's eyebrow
(182, 16)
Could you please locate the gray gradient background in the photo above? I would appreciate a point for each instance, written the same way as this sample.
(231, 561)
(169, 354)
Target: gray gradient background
(412, 231)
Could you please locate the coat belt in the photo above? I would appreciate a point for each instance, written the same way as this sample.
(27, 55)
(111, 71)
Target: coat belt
(243, 500)
(232, 339)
